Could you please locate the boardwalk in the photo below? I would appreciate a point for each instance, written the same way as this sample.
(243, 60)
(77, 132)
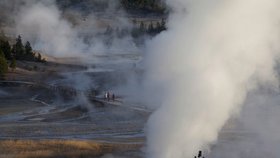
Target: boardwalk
(119, 102)
(73, 92)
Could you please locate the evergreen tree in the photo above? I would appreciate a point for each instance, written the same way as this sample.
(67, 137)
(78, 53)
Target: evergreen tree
(28, 48)
(3, 65)
(145, 5)
(28, 52)
(158, 27)
(6, 48)
(163, 27)
(151, 28)
(18, 49)
(142, 26)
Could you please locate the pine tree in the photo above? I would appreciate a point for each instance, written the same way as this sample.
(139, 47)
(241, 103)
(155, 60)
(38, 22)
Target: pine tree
(6, 48)
(158, 27)
(28, 52)
(163, 27)
(151, 28)
(142, 26)
(3, 65)
(18, 49)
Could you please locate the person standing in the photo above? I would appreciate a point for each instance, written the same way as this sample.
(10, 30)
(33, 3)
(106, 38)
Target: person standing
(105, 96)
(108, 96)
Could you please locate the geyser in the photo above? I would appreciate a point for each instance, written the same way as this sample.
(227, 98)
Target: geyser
(212, 55)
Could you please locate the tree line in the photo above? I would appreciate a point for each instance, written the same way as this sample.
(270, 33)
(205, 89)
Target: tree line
(141, 29)
(133, 6)
(150, 29)
(145, 5)
(137, 32)
(10, 54)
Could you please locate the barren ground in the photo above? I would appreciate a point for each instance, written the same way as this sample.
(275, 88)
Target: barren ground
(38, 122)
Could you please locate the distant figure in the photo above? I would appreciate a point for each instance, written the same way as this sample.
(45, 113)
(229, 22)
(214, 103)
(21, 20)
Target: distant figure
(199, 153)
(108, 96)
(113, 97)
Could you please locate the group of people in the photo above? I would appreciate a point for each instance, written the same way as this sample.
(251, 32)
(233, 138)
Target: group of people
(109, 96)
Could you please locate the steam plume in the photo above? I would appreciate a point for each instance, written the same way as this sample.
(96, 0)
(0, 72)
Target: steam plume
(258, 133)
(212, 55)
(49, 30)
(53, 34)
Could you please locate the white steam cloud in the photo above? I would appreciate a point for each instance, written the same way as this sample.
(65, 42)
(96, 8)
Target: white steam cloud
(212, 55)
(50, 31)
(255, 132)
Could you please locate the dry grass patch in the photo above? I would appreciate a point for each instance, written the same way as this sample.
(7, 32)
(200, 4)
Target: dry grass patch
(56, 148)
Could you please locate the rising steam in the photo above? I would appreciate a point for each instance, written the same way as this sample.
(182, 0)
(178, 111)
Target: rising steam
(71, 33)
(43, 24)
(212, 55)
